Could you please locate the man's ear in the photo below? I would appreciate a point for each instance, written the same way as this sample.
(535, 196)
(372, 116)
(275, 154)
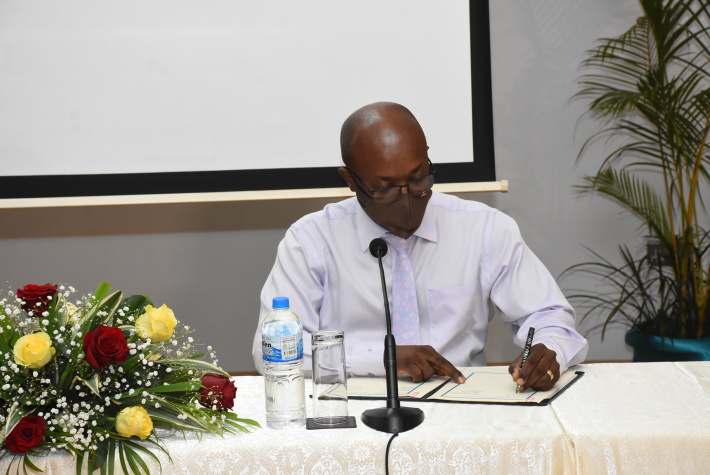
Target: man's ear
(346, 174)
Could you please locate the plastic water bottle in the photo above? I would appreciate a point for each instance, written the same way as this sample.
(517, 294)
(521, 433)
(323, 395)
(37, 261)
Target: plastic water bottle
(282, 349)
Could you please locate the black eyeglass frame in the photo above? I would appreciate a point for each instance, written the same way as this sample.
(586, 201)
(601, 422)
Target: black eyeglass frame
(371, 193)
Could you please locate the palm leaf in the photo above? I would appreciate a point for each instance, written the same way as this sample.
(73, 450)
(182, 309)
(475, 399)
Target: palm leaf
(636, 195)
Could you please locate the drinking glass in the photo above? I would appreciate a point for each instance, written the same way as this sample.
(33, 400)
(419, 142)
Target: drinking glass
(330, 389)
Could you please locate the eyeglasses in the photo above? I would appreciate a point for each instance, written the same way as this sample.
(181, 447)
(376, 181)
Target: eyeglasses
(388, 194)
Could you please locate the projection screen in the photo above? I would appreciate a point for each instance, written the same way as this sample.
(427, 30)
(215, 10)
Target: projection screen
(179, 96)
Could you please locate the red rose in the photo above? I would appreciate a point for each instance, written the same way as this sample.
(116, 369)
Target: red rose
(218, 391)
(28, 433)
(104, 346)
(33, 294)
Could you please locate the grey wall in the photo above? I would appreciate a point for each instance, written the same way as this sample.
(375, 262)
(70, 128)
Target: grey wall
(208, 261)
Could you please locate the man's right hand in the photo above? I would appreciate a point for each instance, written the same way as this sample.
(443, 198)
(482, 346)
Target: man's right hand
(421, 362)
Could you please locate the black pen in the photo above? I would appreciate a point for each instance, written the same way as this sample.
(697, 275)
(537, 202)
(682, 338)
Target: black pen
(526, 350)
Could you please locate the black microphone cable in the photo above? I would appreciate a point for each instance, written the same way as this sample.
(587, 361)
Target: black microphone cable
(387, 452)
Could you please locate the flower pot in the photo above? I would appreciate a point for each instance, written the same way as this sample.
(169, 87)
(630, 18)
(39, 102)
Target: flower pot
(651, 348)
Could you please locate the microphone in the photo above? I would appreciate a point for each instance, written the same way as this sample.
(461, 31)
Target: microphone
(393, 418)
(378, 248)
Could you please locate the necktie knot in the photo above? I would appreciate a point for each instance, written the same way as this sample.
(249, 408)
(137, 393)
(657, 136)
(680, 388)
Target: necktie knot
(399, 244)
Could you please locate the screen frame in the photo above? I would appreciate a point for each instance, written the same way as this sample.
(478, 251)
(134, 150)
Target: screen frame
(480, 170)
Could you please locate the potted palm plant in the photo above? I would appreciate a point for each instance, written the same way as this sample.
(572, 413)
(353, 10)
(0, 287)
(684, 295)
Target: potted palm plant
(649, 89)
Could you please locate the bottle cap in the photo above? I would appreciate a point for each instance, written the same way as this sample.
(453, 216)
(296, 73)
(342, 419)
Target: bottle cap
(280, 302)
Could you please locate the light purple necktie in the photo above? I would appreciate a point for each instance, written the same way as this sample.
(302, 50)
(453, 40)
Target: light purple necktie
(405, 315)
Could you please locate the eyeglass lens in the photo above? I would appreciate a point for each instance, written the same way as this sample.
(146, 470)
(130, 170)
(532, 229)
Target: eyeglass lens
(418, 186)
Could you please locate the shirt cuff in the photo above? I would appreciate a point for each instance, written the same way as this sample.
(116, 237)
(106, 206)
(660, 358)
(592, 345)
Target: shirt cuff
(570, 347)
(364, 358)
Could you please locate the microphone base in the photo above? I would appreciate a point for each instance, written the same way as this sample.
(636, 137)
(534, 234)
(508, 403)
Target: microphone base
(386, 419)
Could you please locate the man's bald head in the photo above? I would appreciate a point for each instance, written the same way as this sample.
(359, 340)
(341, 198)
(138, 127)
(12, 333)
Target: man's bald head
(374, 121)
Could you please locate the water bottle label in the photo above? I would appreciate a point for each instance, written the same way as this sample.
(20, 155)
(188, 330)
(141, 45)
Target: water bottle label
(282, 349)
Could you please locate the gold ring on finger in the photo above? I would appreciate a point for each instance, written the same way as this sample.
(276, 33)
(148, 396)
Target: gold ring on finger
(552, 376)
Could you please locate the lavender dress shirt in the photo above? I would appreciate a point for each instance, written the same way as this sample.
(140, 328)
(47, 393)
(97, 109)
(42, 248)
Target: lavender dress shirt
(466, 257)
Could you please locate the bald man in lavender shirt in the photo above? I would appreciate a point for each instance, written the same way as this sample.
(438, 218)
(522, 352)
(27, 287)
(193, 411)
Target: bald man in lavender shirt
(466, 257)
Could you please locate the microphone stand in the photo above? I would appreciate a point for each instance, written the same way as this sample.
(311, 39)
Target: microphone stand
(393, 418)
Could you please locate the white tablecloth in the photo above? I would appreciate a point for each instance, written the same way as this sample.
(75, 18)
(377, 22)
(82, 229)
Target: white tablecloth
(619, 418)
(639, 418)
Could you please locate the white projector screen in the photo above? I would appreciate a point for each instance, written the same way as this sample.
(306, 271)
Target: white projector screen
(122, 90)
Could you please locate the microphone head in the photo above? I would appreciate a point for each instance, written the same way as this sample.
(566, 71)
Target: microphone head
(378, 247)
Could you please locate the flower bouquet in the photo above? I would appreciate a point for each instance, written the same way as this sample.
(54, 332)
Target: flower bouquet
(91, 376)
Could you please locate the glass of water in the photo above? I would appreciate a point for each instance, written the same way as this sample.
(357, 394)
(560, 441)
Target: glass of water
(330, 390)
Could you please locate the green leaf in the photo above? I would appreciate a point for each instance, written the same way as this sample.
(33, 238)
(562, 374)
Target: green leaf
(146, 451)
(91, 462)
(6, 336)
(134, 460)
(101, 454)
(28, 464)
(187, 386)
(183, 424)
(107, 306)
(169, 412)
(111, 456)
(122, 457)
(184, 387)
(7, 331)
(199, 365)
(79, 462)
(52, 317)
(91, 383)
(102, 291)
(231, 416)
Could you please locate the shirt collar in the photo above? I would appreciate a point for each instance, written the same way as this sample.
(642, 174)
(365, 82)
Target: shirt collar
(367, 229)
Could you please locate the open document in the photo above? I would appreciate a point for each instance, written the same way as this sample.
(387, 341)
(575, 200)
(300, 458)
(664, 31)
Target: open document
(486, 385)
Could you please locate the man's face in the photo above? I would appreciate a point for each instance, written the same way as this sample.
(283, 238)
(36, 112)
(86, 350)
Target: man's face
(390, 154)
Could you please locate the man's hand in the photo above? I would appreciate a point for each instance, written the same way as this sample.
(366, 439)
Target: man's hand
(534, 373)
(421, 362)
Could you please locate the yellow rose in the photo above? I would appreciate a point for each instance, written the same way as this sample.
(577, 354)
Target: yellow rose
(134, 420)
(157, 324)
(34, 350)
